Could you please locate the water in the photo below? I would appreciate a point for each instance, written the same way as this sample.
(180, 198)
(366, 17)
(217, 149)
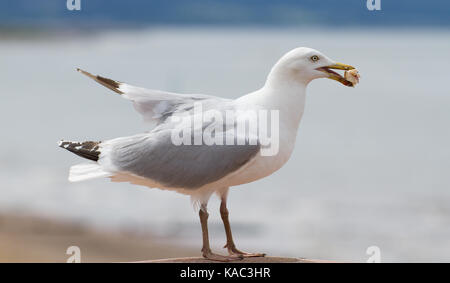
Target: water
(370, 166)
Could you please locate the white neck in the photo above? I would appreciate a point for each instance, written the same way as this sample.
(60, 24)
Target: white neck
(282, 77)
(283, 91)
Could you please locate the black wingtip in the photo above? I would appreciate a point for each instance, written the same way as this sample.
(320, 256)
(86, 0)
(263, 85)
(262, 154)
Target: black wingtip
(111, 84)
(88, 149)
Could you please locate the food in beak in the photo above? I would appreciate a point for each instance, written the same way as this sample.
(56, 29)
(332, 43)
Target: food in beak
(350, 72)
(352, 76)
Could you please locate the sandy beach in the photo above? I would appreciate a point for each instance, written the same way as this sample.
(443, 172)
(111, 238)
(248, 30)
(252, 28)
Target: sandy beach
(31, 239)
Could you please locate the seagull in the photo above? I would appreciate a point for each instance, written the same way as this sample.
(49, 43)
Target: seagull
(199, 170)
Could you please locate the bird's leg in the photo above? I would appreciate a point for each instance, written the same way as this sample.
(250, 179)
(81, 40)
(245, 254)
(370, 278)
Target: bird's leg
(206, 249)
(232, 250)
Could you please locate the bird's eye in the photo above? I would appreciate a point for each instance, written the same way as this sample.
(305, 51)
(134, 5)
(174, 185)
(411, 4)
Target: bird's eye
(315, 58)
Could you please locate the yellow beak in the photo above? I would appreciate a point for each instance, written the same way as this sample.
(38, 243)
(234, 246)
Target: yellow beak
(340, 66)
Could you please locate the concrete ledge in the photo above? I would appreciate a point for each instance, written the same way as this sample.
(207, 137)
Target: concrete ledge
(267, 259)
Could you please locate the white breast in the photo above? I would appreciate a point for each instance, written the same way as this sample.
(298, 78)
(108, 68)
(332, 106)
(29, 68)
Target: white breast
(263, 166)
(290, 106)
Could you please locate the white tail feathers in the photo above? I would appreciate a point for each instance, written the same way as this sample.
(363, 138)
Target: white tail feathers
(86, 171)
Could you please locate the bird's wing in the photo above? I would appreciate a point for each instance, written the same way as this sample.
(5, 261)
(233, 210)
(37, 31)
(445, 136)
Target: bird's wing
(155, 156)
(154, 105)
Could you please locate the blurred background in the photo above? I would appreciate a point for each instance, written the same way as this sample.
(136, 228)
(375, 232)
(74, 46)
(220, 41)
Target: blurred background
(371, 164)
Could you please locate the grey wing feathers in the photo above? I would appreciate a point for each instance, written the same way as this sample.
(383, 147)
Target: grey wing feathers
(155, 157)
(154, 105)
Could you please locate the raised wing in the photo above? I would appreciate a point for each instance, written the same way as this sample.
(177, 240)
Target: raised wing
(154, 105)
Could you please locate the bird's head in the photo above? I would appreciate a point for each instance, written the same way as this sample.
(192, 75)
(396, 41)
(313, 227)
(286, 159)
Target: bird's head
(306, 64)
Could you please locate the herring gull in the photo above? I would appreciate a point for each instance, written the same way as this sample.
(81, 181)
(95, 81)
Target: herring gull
(157, 159)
